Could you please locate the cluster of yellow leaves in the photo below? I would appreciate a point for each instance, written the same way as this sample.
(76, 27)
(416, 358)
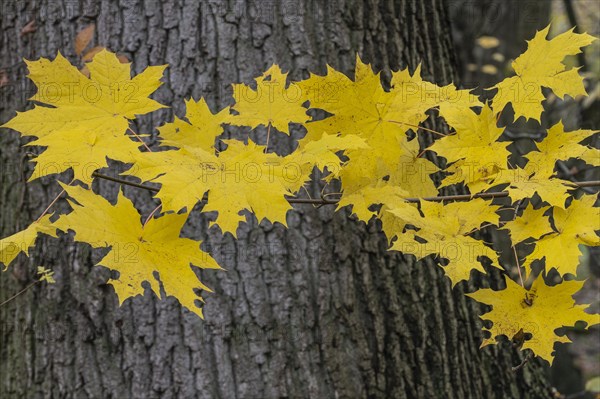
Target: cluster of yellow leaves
(242, 177)
(370, 141)
(361, 107)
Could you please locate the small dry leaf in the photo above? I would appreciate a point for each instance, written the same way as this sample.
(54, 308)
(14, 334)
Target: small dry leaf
(46, 275)
(83, 38)
(88, 56)
(85, 71)
(123, 59)
(29, 28)
(3, 78)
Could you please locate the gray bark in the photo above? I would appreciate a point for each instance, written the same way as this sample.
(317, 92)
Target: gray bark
(319, 310)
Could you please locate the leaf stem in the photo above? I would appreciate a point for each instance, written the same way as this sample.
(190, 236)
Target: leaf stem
(139, 139)
(268, 137)
(518, 267)
(20, 292)
(150, 216)
(514, 247)
(419, 127)
(125, 182)
(53, 202)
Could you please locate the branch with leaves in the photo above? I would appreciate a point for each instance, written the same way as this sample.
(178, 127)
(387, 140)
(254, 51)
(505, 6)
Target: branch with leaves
(370, 143)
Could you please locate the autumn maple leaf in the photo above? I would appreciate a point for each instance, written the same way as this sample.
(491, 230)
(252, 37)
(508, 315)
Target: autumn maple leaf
(575, 225)
(136, 250)
(272, 103)
(558, 145)
(532, 223)
(476, 155)
(542, 66)
(361, 107)
(90, 114)
(538, 311)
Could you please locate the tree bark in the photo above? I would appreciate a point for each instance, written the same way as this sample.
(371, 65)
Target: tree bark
(319, 310)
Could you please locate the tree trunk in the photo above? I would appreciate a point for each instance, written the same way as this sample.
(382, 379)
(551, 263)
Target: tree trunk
(320, 310)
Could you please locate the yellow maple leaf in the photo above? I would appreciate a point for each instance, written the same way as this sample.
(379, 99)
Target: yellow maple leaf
(541, 66)
(591, 156)
(525, 183)
(530, 224)
(201, 131)
(90, 114)
(445, 229)
(359, 107)
(413, 172)
(138, 251)
(475, 145)
(241, 177)
(363, 199)
(557, 145)
(13, 245)
(575, 225)
(322, 152)
(362, 107)
(538, 311)
(415, 95)
(411, 178)
(272, 103)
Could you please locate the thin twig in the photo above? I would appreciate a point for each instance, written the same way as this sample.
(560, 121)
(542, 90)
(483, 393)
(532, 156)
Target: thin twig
(523, 363)
(569, 175)
(514, 247)
(419, 127)
(50, 206)
(20, 292)
(125, 182)
(323, 201)
(572, 15)
(518, 267)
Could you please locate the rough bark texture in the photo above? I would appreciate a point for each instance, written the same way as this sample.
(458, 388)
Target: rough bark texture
(319, 310)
